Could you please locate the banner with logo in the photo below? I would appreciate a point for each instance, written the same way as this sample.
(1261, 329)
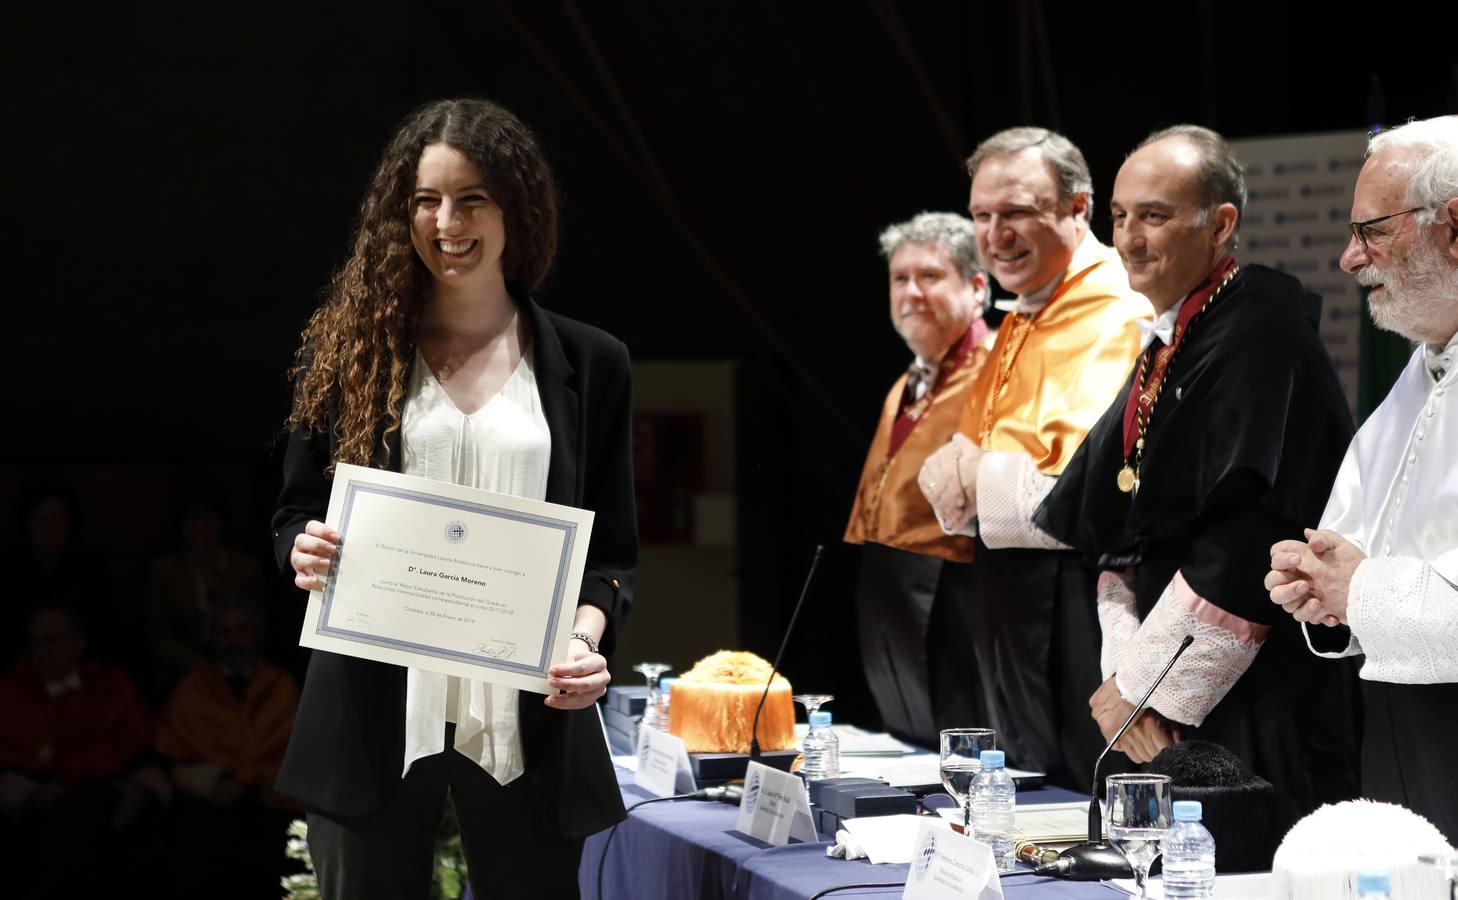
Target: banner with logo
(1295, 221)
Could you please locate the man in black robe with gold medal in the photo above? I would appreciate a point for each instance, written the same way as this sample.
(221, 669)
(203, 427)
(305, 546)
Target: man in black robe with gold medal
(1225, 439)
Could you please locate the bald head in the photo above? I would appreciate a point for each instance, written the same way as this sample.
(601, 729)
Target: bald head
(1170, 225)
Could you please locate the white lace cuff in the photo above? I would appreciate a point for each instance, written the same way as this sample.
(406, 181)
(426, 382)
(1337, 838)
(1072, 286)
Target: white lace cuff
(1224, 647)
(1406, 616)
(1118, 618)
(1009, 489)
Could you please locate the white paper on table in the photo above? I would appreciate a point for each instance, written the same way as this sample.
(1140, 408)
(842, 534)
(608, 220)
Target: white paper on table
(449, 579)
(1250, 885)
(888, 839)
(1041, 822)
(860, 742)
(901, 771)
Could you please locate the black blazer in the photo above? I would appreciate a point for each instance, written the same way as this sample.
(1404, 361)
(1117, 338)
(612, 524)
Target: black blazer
(348, 744)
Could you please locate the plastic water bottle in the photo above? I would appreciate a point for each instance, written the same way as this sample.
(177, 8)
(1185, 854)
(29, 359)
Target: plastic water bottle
(1374, 884)
(994, 797)
(821, 749)
(665, 698)
(1189, 854)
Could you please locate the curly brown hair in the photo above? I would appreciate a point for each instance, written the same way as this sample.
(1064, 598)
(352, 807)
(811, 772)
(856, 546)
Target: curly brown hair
(357, 349)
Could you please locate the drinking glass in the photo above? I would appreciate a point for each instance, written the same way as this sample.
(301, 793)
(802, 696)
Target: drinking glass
(1138, 819)
(961, 759)
(650, 672)
(812, 702)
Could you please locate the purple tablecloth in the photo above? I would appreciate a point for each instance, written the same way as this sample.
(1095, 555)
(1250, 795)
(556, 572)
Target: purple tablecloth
(683, 849)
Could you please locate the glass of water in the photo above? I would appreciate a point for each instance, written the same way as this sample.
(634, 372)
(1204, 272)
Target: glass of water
(1138, 814)
(961, 759)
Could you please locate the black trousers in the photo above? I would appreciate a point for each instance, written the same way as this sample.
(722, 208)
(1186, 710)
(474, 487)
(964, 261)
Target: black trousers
(1037, 636)
(390, 855)
(912, 613)
(1407, 749)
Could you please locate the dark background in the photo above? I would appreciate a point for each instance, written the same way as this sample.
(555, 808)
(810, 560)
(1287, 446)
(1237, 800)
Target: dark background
(179, 188)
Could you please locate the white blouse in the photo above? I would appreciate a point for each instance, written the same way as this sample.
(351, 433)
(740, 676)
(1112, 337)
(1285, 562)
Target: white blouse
(505, 447)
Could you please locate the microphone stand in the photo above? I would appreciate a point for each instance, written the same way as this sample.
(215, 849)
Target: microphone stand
(754, 752)
(1094, 860)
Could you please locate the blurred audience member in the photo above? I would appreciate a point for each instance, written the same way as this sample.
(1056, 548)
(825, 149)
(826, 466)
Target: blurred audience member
(187, 584)
(224, 729)
(77, 768)
(50, 565)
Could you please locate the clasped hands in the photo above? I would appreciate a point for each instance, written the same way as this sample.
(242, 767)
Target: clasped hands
(1310, 579)
(1149, 734)
(948, 480)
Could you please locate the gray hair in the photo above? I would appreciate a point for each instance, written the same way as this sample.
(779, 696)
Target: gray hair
(1220, 177)
(1058, 151)
(953, 233)
(1427, 153)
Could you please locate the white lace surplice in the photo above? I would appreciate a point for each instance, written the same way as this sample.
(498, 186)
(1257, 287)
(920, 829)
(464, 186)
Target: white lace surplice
(504, 447)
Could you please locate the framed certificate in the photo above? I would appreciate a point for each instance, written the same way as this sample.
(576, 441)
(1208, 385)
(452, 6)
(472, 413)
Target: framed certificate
(448, 578)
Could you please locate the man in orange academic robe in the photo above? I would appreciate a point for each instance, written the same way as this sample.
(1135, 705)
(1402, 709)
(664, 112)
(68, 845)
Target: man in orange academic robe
(910, 570)
(1060, 358)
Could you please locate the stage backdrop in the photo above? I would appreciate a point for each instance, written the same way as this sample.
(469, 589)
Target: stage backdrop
(1296, 221)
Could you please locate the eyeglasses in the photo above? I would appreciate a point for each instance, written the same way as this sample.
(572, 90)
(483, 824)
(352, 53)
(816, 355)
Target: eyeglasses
(1360, 229)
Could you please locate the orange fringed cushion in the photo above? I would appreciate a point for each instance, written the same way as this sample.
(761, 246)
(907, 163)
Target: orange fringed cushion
(712, 705)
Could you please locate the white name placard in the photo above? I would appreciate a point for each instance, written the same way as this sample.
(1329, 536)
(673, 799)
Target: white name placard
(663, 763)
(775, 807)
(950, 866)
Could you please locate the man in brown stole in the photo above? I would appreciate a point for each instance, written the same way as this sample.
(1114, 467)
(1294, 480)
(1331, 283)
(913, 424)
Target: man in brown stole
(1059, 358)
(908, 566)
(1225, 438)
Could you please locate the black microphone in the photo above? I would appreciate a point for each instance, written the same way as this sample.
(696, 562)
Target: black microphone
(754, 752)
(1095, 860)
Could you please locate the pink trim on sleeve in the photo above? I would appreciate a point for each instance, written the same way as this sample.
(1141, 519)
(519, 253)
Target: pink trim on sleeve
(1205, 611)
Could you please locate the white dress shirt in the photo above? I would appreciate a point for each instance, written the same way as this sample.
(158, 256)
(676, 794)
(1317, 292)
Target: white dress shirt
(505, 447)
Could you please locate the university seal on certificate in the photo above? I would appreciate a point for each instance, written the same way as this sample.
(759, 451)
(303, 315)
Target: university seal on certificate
(449, 579)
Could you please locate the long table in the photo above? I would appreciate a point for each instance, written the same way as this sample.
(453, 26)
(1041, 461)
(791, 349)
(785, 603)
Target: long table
(685, 849)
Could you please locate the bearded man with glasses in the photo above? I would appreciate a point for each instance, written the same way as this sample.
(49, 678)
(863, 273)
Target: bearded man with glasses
(1381, 573)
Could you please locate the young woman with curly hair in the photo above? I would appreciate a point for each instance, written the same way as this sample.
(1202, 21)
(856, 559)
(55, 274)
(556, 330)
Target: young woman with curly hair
(428, 356)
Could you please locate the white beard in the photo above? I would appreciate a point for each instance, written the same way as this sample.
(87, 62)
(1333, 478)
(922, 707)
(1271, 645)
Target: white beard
(1413, 291)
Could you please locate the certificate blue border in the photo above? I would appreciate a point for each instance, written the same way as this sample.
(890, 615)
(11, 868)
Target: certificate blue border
(569, 538)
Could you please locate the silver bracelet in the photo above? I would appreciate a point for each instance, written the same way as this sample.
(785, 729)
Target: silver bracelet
(585, 638)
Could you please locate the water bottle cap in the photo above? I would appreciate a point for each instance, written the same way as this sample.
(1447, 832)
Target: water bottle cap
(1188, 810)
(1373, 880)
(819, 717)
(993, 759)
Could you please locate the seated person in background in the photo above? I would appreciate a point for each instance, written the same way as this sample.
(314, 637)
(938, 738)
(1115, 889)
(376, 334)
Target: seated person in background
(76, 762)
(186, 584)
(1223, 440)
(50, 567)
(224, 729)
(908, 566)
